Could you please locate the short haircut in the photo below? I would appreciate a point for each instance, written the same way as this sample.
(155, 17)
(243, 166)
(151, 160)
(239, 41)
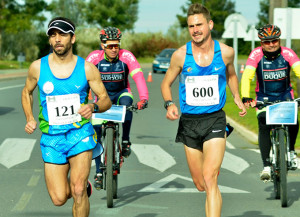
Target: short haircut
(199, 9)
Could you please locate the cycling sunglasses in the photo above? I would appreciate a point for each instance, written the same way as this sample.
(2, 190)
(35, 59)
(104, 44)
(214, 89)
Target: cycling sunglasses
(269, 42)
(111, 46)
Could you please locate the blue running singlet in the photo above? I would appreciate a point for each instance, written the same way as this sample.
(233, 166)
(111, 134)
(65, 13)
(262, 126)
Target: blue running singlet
(202, 90)
(61, 98)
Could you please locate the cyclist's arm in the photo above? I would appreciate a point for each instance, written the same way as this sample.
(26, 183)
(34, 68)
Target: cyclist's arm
(96, 84)
(135, 71)
(27, 97)
(247, 77)
(296, 68)
(232, 81)
(176, 64)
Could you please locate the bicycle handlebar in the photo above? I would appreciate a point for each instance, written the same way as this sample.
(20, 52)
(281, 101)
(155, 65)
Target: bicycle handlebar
(266, 102)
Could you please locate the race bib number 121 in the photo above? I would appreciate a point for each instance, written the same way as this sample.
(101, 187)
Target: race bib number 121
(62, 109)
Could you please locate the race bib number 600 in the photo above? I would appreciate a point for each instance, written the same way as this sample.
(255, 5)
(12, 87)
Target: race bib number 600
(62, 109)
(202, 90)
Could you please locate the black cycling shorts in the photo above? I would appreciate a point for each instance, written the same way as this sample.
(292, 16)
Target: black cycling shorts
(194, 130)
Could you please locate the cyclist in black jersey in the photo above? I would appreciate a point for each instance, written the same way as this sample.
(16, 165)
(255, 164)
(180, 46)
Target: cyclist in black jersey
(115, 65)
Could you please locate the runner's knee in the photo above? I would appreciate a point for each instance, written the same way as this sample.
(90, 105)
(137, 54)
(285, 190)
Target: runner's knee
(59, 199)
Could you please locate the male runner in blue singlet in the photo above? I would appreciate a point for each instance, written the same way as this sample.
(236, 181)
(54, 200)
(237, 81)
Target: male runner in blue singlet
(68, 138)
(203, 66)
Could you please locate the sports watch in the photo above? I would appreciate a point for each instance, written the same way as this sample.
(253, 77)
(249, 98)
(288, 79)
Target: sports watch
(96, 107)
(168, 103)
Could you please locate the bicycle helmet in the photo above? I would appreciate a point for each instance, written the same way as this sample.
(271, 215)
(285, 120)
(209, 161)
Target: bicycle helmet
(269, 32)
(110, 33)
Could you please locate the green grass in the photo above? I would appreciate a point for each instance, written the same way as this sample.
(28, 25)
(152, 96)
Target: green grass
(5, 64)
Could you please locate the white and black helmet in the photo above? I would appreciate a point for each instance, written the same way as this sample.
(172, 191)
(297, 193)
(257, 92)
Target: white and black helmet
(110, 33)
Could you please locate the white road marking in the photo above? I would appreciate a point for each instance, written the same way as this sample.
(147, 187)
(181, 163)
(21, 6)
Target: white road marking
(158, 186)
(255, 150)
(14, 151)
(153, 156)
(33, 180)
(229, 145)
(10, 87)
(234, 163)
(24, 200)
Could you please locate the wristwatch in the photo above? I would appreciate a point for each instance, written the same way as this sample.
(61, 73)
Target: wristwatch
(168, 103)
(96, 107)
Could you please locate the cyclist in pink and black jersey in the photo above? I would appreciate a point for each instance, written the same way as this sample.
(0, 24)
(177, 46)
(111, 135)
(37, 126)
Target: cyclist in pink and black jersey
(272, 64)
(115, 65)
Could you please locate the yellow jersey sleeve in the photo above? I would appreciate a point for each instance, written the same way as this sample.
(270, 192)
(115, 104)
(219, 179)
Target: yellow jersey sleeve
(248, 75)
(296, 68)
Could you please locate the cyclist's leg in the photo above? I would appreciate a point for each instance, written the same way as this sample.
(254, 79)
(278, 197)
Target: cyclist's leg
(293, 132)
(98, 177)
(98, 129)
(264, 139)
(126, 98)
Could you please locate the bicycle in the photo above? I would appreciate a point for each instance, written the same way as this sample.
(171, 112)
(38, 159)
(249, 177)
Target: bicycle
(279, 115)
(111, 159)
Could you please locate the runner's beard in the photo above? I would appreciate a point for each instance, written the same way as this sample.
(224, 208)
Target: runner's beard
(63, 51)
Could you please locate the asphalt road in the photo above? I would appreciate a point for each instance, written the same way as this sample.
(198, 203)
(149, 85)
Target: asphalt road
(154, 180)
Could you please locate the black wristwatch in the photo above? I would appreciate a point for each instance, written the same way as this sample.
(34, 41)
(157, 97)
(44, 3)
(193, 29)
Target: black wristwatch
(96, 107)
(168, 103)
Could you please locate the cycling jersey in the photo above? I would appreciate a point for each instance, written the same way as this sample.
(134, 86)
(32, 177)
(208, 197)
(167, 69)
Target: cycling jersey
(115, 74)
(202, 89)
(272, 76)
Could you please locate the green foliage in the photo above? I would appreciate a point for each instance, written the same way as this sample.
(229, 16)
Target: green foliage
(71, 9)
(219, 9)
(147, 44)
(117, 13)
(17, 20)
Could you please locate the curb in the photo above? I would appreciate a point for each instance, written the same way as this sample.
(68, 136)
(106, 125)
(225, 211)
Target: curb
(247, 134)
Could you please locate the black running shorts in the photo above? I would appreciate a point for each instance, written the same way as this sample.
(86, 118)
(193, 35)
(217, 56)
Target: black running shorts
(194, 130)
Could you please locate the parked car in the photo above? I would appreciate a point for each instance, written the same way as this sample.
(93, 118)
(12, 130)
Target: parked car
(162, 60)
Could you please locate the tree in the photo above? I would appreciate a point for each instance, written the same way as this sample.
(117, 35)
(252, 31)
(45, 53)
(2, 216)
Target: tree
(18, 17)
(72, 9)
(118, 13)
(219, 9)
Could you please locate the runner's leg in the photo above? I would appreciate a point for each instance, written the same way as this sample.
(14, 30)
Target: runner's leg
(213, 154)
(56, 177)
(80, 166)
(204, 167)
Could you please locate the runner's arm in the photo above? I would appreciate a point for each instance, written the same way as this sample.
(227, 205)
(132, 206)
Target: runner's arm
(174, 70)
(232, 80)
(27, 97)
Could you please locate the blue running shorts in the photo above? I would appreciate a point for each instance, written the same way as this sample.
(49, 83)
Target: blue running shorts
(56, 149)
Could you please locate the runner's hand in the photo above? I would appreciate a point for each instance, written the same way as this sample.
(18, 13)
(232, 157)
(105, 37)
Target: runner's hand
(30, 126)
(86, 111)
(172, 112)
(142, 104)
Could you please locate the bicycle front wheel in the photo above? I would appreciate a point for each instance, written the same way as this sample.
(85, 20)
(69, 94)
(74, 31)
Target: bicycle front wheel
(283, 168)
(109, 142)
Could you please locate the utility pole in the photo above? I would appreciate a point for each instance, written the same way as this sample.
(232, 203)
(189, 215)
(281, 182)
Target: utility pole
(276, 4)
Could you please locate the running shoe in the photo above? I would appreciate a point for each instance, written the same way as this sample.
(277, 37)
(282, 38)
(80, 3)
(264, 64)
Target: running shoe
(89, 188)
(126, 150)
(265, 175)
(98, 181)
(294, 160)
